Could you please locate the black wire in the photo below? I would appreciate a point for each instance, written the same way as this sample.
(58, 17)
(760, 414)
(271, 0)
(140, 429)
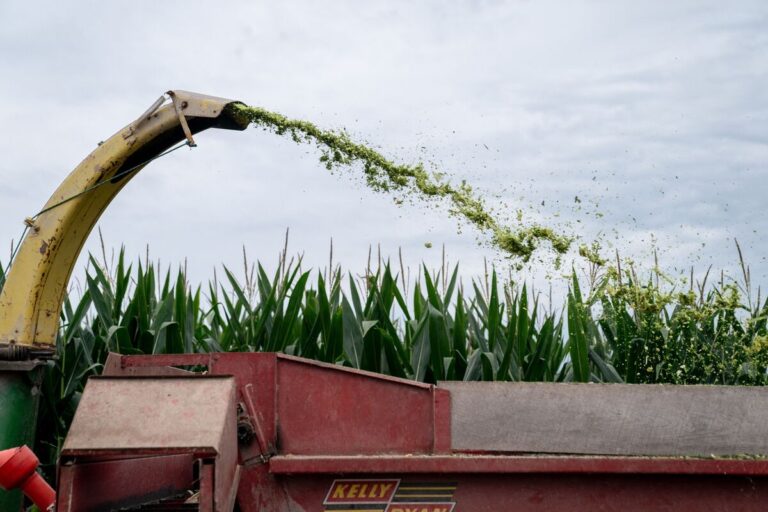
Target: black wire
(15, 249)
(116, 176)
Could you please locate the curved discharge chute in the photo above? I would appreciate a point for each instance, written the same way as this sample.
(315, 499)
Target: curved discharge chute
(31, 297)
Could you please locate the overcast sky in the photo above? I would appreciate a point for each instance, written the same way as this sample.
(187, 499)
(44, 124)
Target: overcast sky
(653, 114)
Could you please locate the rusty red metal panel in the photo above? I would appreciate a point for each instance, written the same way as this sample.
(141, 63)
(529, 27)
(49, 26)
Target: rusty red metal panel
(325, 409)
(547, 493)
(226, 468)
(610, 493)
(442, 421)
(353, 371)
(256, 377)
(113, 367)
(464, 463)
(206, 499)
(261, 491)
(116, 484)
(263, 447)
(64, 490)
(160, 360)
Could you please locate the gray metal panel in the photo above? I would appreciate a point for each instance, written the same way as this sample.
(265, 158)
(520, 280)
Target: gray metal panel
(608, 419)
(153, 413)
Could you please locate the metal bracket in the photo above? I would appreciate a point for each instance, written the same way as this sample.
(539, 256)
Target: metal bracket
(142, 118)
(251, 412)
(179, 106)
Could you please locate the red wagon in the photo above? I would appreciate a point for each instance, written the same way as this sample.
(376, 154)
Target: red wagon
(269, 432)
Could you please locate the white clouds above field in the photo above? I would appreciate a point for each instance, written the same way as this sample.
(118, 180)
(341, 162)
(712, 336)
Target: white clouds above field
(655, 114)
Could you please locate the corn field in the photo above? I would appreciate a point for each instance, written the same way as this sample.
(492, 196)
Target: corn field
(619, 328)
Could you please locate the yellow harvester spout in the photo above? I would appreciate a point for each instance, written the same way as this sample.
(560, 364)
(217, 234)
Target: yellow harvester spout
(31, 298)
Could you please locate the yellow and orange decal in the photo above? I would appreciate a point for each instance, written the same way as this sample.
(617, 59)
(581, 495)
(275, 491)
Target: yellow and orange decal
(361, 491)
(389, 495)
(420, 507)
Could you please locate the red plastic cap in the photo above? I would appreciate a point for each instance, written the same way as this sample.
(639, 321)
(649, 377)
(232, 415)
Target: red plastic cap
(16, 465)
(17, 469)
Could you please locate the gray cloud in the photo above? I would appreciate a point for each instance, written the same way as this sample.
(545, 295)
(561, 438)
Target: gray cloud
(663, 104)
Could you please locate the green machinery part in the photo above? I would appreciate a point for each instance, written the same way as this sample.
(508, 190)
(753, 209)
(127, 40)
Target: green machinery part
(19, 398)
